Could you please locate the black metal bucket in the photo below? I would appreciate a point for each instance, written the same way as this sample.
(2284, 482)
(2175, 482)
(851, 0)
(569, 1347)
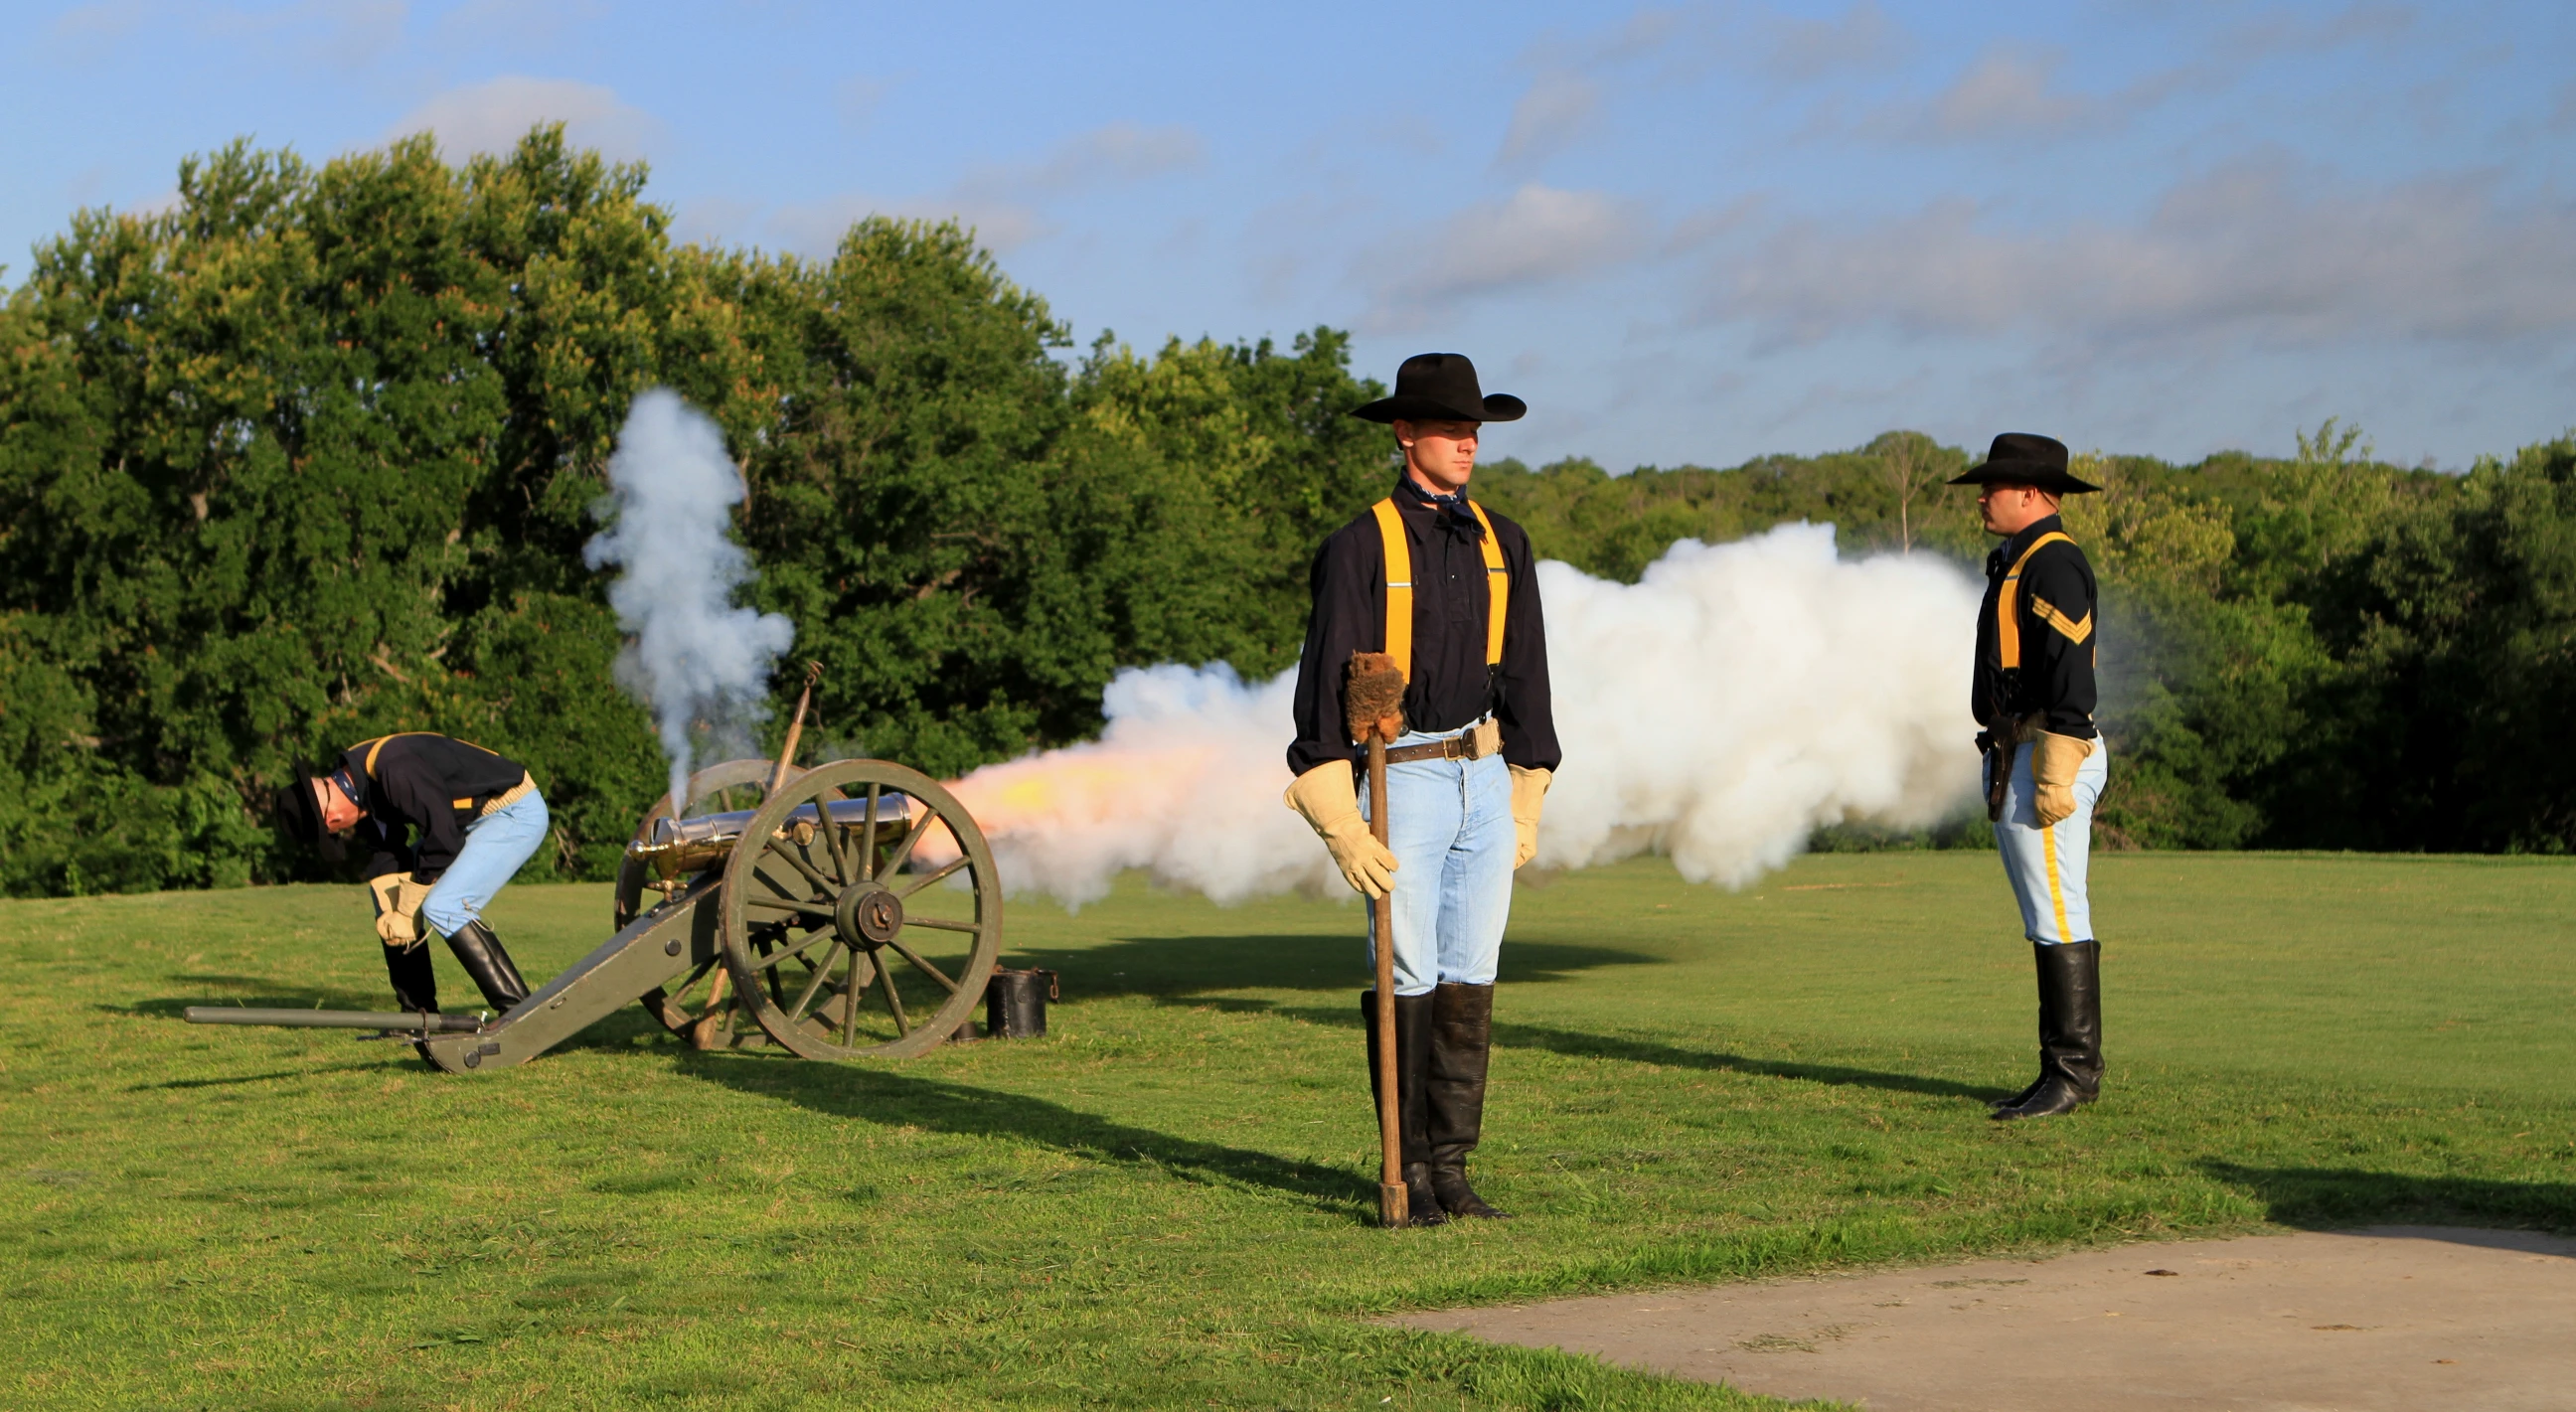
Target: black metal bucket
(1015, 1003)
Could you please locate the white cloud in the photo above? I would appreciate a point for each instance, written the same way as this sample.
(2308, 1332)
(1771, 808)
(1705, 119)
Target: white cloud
(1861, 37)
(493, 115)
(2013, 92)
(1105, 156)
(2257, 250)
(1539, 235)
(1556, 110)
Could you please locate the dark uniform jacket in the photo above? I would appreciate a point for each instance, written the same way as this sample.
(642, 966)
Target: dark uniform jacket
(2056, 603)
(1451, 685)
(424, 785)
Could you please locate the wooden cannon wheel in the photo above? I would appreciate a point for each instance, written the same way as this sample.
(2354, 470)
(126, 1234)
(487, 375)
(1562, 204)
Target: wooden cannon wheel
(681, 1007)
(836, 935)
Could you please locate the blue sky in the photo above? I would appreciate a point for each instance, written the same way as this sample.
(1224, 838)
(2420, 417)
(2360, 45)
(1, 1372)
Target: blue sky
(1686, 234)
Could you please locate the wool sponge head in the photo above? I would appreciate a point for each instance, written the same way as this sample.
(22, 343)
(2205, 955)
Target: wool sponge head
(1373, 699)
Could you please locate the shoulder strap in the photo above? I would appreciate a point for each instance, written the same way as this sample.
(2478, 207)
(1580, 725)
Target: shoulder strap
(1399, 585)
(1498, 589)
(376, 747)
(2008, 601)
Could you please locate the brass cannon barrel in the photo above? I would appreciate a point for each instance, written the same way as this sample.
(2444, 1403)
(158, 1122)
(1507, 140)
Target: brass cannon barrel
(678, 846)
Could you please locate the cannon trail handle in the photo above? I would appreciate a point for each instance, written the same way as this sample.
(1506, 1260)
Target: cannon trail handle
(407, 1020)
(1391, 1195)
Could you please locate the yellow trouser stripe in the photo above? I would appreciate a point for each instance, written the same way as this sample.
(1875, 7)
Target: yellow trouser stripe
(2056, 892)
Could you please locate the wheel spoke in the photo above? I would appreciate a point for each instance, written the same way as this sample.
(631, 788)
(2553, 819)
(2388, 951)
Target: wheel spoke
(850, 1004)
(774, 885)
(679, 991)
(773, 958)
(932, 971)
(868, 837)
(903, 851)
(951, 866)
(942, 924)
(829, 887)
(805, 997)
(832, 835)
(809, 909)
(894, 1000)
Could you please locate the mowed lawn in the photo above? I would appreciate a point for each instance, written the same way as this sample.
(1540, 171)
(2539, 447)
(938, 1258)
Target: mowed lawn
(1167, 1201)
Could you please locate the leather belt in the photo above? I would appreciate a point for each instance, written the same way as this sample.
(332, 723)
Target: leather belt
(1474, 743)
(526, 786)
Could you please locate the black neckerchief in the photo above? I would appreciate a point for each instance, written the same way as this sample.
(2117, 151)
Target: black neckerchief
(1449, 512)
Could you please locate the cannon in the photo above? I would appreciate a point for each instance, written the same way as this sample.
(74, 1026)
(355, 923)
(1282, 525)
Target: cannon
(815, 915)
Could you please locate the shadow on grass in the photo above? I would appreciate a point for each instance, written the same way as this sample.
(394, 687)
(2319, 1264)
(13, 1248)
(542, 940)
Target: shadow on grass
(2337, 1198)
(1578, 1045)
(889, 1099)
(1178, 969)
(392, 1055)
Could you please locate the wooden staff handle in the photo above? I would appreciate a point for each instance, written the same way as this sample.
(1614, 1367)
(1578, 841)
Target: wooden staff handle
(1391, 1195)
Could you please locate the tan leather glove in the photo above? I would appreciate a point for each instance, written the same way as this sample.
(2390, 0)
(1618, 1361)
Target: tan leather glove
(1329, 799)
(1529, 791)
(2054, 759)
(398, 900)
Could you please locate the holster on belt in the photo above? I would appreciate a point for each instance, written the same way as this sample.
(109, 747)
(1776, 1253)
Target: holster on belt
(1998, 742)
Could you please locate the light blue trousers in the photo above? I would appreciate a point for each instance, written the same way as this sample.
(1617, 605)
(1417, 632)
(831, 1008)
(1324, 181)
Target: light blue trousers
(2047, 865)
(495, 846)
(1449, 824)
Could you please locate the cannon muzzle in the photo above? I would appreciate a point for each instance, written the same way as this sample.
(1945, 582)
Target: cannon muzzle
(410, 1020)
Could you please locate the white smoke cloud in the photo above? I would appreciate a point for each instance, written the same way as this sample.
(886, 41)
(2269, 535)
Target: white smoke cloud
(1719, 710)
(697, 661)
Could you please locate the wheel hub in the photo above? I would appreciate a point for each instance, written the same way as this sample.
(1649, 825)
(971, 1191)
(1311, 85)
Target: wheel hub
(869, 913)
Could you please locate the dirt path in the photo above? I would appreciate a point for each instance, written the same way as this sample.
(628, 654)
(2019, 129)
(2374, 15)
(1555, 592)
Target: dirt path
(2394, 1317)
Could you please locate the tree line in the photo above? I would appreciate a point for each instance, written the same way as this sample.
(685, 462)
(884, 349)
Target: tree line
(311, 454)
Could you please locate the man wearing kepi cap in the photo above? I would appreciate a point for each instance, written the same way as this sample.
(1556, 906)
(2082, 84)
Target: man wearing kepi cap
(2045, 762)
(1446, 587)
(445, 823)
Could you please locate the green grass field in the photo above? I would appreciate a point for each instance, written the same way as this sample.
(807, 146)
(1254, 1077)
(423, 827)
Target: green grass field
(1166, 1202)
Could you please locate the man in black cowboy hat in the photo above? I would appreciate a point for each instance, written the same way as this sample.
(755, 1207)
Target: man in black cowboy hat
(1447, 588)
(445, 824)
(2045, 761)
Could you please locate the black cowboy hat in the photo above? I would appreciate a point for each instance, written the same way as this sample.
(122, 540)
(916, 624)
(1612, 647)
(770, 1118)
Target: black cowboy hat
(1441, 387)
(301, 815)
(2026, 458)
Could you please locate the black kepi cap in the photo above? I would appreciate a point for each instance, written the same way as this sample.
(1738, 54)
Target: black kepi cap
(300, 813)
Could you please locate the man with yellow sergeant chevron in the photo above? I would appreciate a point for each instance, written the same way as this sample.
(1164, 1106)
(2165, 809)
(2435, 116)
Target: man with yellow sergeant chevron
(2045, 761)
(1449, 591)
(445, 824)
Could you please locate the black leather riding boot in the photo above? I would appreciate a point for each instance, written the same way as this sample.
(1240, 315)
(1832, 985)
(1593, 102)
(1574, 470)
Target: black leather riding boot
(1412, 1061)
(1462, 1038)
(2070, 987)
(2047, 1023)
(415, 984)
(481, 954)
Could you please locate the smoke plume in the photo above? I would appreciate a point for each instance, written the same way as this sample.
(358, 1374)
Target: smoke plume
(1720, 710)
(698, 662)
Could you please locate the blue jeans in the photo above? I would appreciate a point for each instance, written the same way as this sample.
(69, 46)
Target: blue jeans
(1449, 824)
(495, 846)
(2047, 865)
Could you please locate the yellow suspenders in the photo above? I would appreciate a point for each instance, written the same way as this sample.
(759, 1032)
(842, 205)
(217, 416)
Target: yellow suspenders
(1399, 587)
(2008, 604)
